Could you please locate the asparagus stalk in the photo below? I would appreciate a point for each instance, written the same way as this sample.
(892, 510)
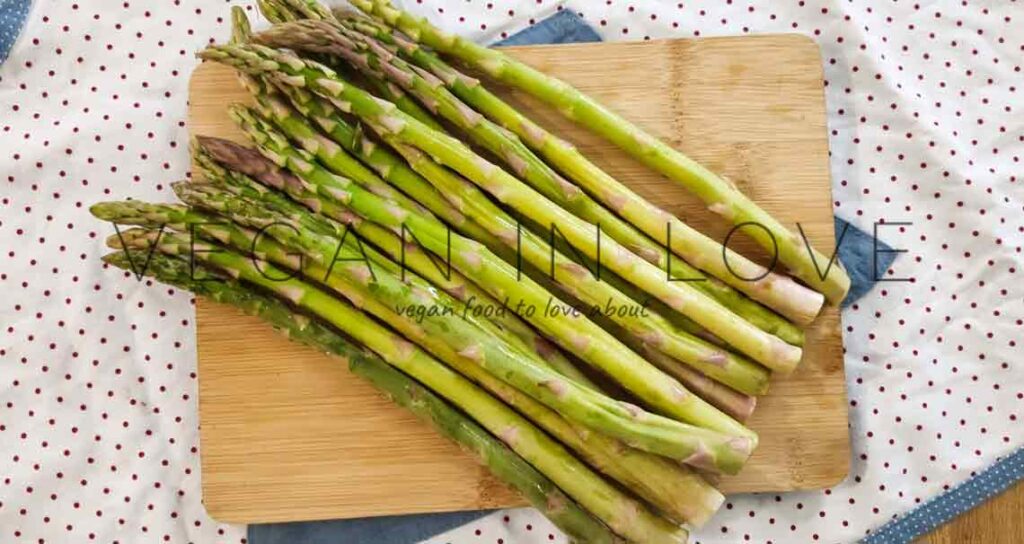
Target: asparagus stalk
(607, 292)
(497, 362)
(306, 9)
(675, 490)
(509, 467)
(396, 171)
(273, 12)
(543, 494)
(621, 513)
(319, 180)
(353, 140)
(299, 131)
(393, 168)
(325, 149)
(393, 93)
(540, 491)
(577, 403)
(759, 345)
(738, 405)
(337, 159)
(680, 494)
(753, 312)
(322, 37)
(521, 336)
(387, 165)
(775, 291)
(332, 155)
(721, 196)
(209, 150)
(283, 12)
(720, 364)
(505, 464)
(230, 154)
(241, 31)
(377, 61)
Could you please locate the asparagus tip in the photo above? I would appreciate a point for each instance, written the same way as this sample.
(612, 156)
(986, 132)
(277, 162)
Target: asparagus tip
(103, 211)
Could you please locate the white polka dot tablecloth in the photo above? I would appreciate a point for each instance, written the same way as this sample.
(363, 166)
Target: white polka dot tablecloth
(98, 428)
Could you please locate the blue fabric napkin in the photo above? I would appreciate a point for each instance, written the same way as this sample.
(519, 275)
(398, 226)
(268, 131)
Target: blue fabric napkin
(865, 257)
(940, 510)
(857, 253)
(562, 27)
(12, 17)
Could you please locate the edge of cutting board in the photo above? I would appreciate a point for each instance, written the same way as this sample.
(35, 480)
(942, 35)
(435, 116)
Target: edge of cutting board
(233, 493)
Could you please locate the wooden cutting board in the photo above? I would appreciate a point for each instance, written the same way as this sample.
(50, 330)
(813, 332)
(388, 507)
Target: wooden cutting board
(288, 434)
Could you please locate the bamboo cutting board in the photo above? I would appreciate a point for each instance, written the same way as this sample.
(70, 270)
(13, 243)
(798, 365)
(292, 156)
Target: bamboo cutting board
(288, 434)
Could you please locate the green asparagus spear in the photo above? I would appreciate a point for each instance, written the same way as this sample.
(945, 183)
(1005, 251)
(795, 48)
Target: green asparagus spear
(585, 406)
(675, 490)
(721, 196)
(540, 491)
(321, 191)
(337, 158)
(241, 31)
(322, 37)
(311, 140)
(377, 61)
(387, 165)
(718, 364)
(396, 171)
(449, 422)
(285, 11)
(621, 513)
(327, 151)
(778, 292)
(739, 406)
(717, 319)
(680, 494)
(208, 150)
(273, 12)
(307, 9)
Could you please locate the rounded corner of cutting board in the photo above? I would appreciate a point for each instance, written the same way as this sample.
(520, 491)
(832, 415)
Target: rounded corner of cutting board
(799, 165)
(842, 472)
(221, 513)
(834, 476)
(803, 41)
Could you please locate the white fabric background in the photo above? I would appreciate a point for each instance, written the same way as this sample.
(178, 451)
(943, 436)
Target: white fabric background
(98, 438)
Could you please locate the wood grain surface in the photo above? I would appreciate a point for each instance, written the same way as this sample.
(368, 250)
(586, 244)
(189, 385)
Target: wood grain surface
(288, 434)
(998, 521)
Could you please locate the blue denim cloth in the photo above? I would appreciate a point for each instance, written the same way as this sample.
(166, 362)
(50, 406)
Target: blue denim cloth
(562, 27)
(859, 252)
(380, 530)
(12, 16)
(940, 510)
(855, 252)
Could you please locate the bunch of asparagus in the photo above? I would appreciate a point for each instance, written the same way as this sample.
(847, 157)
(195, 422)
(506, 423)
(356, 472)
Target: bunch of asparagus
(386, 194)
